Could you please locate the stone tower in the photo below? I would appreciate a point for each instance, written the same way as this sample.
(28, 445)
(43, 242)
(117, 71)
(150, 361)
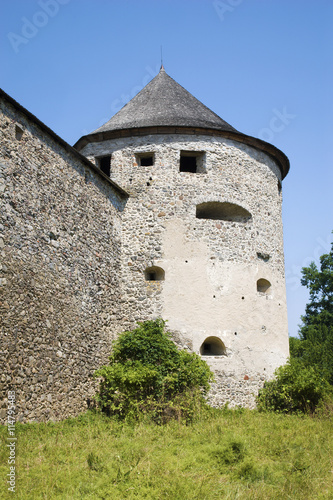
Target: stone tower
(201, 233)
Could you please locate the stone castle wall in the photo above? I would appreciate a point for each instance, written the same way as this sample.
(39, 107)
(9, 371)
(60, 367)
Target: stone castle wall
(60, 246)
(74, 251)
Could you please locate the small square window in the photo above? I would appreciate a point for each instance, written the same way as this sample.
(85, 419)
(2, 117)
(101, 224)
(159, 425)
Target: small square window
(145, 159)
(104, 163)
(192, 161)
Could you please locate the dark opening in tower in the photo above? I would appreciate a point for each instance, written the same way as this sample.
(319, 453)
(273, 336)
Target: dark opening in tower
(154, 273)
(104, 163)
(213, 346)
(226, 211)
(192, 161)
(264, 286)
(145, 159)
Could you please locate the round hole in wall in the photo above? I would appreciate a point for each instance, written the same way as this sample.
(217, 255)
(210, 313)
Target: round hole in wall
(154, 273)
(150, 178)
(243, 298)
(235, 333)
(186, 261)
(148, 183)
(214, 296)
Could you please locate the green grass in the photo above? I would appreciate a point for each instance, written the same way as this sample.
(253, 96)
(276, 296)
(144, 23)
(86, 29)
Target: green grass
(227, 454)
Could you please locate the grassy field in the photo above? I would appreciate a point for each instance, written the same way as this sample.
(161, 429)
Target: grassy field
(226, 455)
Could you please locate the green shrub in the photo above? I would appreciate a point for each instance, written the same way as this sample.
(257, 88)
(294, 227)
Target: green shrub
(149, 375)
(315, 348)
(325, 407)
(296, 347)
(296, 388)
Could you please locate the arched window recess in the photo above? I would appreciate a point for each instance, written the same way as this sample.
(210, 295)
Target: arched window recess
(213, 346)
(264, 286)
(154, 273)
(217, 210)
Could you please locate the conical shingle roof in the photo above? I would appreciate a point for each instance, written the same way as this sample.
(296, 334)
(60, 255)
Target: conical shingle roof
(165, 107)
(163, 102)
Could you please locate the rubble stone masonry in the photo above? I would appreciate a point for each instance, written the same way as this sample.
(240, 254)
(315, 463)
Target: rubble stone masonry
(60, 250)
(85, 256)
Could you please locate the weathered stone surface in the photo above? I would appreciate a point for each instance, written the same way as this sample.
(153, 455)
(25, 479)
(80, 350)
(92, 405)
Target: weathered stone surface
(74, 251)
(211, 266)
(60, 251)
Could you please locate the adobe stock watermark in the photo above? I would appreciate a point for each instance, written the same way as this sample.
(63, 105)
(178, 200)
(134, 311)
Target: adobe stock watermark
(31, 27)
(117, 104)
(294, 275)
(123, 99)
(11, 445)
(279, 121)
(225, 7)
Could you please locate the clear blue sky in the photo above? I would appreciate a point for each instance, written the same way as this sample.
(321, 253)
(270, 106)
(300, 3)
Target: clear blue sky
(74, 63)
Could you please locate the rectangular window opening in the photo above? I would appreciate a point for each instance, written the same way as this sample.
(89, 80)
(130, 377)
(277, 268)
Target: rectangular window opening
(145, 159)
(192, 161)
(104, 163)
(188, 164)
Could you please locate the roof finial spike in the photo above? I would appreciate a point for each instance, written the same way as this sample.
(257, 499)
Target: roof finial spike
(162, 67)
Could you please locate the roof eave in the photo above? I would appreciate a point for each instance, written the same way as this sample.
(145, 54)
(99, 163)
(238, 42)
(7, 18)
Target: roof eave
(275, 153)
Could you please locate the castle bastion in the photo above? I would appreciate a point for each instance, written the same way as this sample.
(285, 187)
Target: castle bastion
(164, 211)
(202, 238)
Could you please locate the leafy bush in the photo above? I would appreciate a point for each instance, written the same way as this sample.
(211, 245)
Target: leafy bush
(296, 347)
(305, 383)
(296, 388)
(148, 374)
(315, 349)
